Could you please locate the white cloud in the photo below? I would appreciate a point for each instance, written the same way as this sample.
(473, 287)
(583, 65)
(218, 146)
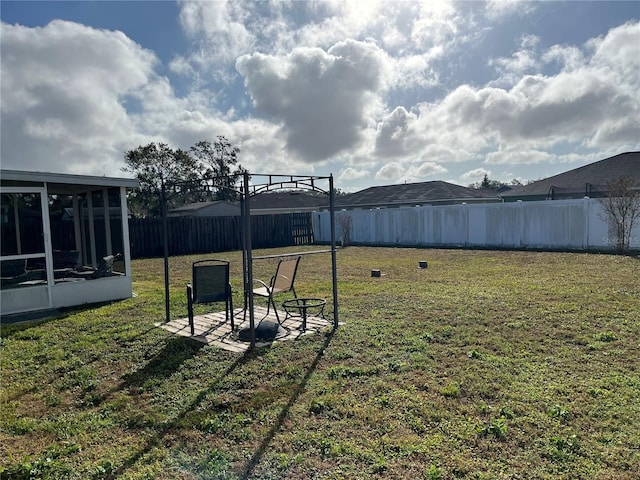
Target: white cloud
(74, 99)
(359, 87)
(349, 174)
(444, 154)
(321, 98)
(618, 50)
(568, 57)
(392, 133)
(496, 9)
(390, 172)
(522, 61)
(436, 23)
(519, 157)
(475, 175)
(596, 101)
(416, 70)
(429, 169)
(412, 33)
(63, 88)
(220, 27)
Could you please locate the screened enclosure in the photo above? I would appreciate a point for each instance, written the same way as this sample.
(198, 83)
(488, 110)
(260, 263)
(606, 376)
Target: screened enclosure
(64, 240)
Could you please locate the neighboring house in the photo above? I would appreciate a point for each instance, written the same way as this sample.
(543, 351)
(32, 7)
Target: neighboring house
(269, 203)
(67, 213)
(587, 181)
(220, 208)
(415, 194)
(39, 274)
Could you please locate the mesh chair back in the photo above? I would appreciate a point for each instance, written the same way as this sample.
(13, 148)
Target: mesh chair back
(210, 281)
(13, 268)
(285, 275)
(104, 267)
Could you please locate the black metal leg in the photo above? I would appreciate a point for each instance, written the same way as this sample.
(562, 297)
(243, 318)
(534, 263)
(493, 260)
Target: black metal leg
(190, 308)
(274, 309)
(229, 306)
(304, 315)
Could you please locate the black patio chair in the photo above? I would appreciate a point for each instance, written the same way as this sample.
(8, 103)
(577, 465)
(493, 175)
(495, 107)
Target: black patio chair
(12, 272)
(210, 284)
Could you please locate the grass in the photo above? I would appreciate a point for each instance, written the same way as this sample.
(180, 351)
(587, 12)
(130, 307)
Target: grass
(485, 365)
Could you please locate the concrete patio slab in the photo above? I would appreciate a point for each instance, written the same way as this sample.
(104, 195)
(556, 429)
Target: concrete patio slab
(213, 329)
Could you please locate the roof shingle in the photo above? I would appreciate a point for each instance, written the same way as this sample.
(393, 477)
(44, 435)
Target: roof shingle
(584, 180)
(414, 194)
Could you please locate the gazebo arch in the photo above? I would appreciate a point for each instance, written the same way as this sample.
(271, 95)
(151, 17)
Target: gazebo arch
(261, 183)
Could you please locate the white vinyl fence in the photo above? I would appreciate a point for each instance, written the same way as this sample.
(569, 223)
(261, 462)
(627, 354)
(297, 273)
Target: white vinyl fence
(554, 224)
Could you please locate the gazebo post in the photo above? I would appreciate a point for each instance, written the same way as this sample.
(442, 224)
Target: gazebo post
(246, 218)
(165, 235)
(334, 275)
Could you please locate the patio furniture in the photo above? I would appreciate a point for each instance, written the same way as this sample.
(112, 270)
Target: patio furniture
(281, 282)
(65, 259)
(12, 272)
(65, 262)
(301, 307)
(105, 269)
(210, 284)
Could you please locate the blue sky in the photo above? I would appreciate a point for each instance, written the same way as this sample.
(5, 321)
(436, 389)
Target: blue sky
(374, 92)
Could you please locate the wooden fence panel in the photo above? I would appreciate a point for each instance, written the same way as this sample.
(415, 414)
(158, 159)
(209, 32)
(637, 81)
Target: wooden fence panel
(301, 230)
(191, 235)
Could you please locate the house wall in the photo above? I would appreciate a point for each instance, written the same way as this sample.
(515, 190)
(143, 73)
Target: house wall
(558, 224)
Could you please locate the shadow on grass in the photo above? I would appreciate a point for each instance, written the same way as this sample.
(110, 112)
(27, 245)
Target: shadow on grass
(11, 326)
(248, 356)
(257, 457)
(175, 352)
(18, 322)
(167, 427)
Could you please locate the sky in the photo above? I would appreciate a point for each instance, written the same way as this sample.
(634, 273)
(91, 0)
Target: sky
(372, 92)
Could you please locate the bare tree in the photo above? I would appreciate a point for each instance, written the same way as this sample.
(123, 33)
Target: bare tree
(344, 220)
(621, 210)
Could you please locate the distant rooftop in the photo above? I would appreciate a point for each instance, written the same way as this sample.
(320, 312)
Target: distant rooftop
(195, 206)
(290, 201)
(588, 180)
(424, 193)
(293, 199)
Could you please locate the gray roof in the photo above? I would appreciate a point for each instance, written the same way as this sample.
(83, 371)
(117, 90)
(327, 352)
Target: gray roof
(586, 180)
(195, 206)
(288, 200)
(415, 194)
(265, 201)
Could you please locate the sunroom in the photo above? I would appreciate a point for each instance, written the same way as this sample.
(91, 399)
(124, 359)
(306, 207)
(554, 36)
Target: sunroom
(65, 240)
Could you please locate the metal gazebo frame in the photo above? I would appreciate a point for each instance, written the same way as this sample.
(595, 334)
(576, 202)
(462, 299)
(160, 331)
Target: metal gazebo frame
(246, 191)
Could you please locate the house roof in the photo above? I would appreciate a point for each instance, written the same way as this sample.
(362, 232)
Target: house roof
(415, 193)
(195, 206)
(264, 201)
(64, 182)
(288, 200)
(584, 180)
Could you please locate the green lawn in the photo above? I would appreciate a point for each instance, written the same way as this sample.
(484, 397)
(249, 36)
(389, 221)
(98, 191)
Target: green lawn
(485, 365)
